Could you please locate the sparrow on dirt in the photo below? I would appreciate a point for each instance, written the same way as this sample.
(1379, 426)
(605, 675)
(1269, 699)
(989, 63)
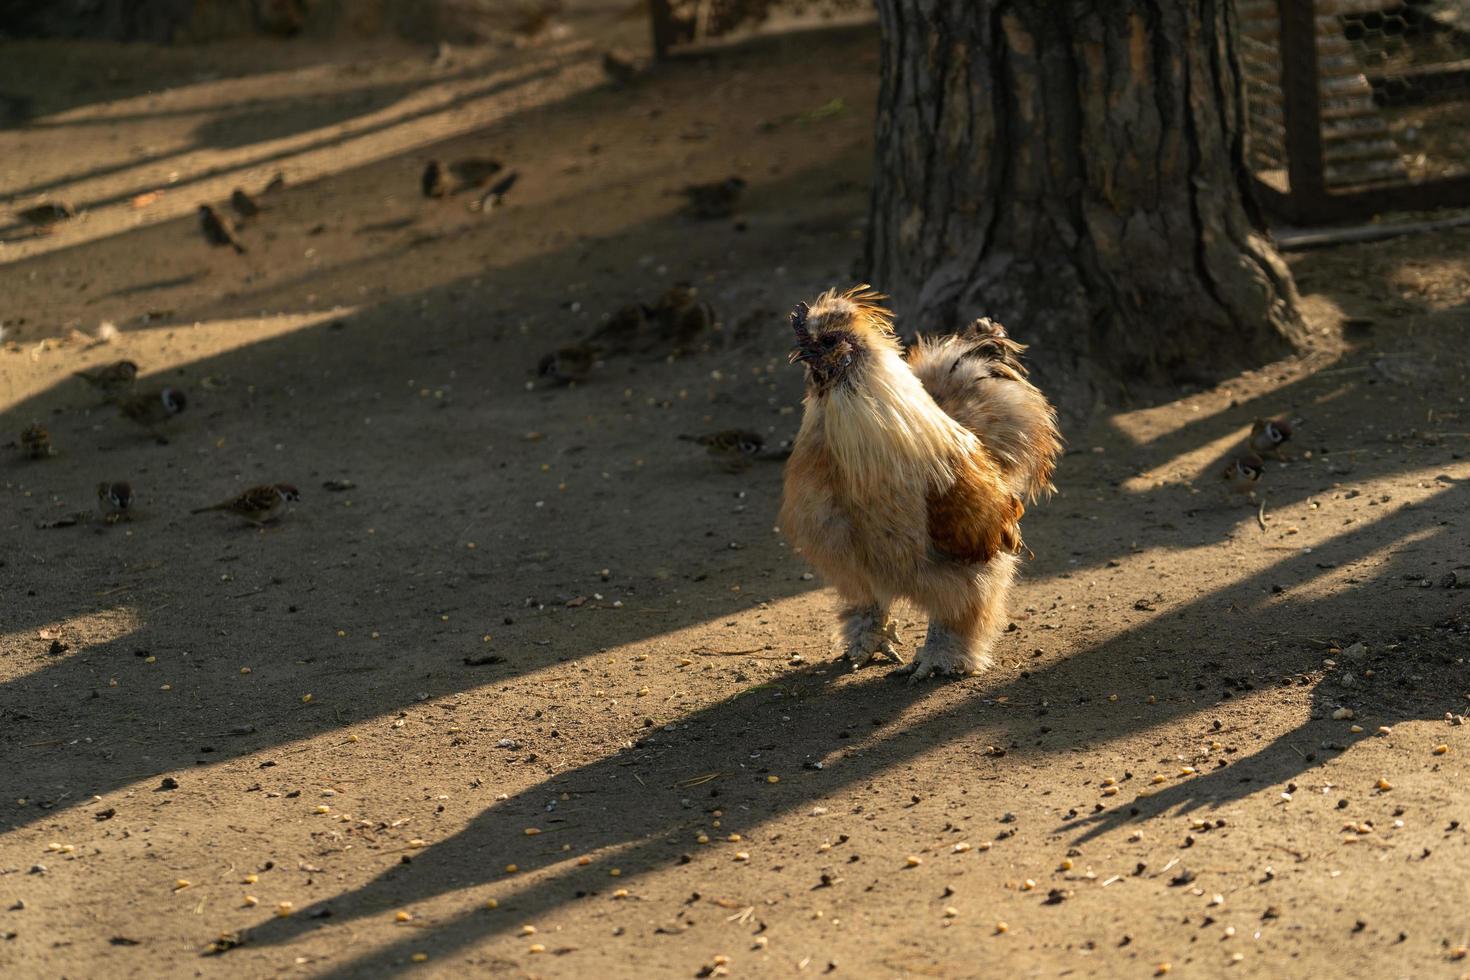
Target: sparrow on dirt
(733, 450)
(152, 408)
(682, 316)
(244, 204)
(717, 200)
(44, 217)
(1243, 473)
(1269, 435)
(110, 379)
(218, 230)
(568, 365)
(628, 328)
(258, 504)
(907, 477)
(495, 196)
(435, 180)
(474, 171)
(35, 442)
(619, 68)
(114, 500)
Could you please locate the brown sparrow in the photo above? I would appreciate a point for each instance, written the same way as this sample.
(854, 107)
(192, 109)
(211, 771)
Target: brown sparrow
(152, 408)
(569, 364)
(1269, 435)
(474, 171)
(258, 504)
(619, 68)
(217, 229)
(46, 216)
(495, 196)
(35, 442)
(114, 500)
(715, 200)
(733, 450)
(682, 316)
(244, 204)
(111, 379)
(435, 180)
(625, 329)
(1243, 473)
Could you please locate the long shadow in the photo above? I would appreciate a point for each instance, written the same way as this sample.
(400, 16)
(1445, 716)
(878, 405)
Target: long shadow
(656, 829)
(209, 137)
(201, 592)
(321, 571)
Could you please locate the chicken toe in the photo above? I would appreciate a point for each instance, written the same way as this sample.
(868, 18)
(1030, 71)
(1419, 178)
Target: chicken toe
(864, 632)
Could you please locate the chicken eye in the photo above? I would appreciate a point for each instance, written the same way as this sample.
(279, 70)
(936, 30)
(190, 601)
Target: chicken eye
(829, 341)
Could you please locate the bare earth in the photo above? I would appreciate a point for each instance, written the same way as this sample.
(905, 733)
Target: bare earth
(659, 768)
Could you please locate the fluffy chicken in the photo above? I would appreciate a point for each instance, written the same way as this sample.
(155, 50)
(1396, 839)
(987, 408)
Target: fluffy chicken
(907, 478)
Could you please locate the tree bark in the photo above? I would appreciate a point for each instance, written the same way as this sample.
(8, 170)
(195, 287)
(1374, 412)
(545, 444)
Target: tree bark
(1076, 169)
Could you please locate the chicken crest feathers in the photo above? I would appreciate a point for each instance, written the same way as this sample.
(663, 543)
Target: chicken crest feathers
(854, 309)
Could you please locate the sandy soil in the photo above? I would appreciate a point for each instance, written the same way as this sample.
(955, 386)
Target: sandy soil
(203, 721)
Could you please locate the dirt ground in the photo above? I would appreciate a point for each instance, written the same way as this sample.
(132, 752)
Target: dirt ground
(544, 694)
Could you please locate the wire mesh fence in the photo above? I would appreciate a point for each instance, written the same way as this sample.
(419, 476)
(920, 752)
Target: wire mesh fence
(1354, 107)
(1357, 106)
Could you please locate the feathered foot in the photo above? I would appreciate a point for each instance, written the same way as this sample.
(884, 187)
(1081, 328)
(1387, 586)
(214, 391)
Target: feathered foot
(866, 631)
(945, 653)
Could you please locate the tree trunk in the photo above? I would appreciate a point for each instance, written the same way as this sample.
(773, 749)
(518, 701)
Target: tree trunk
(1076, 169)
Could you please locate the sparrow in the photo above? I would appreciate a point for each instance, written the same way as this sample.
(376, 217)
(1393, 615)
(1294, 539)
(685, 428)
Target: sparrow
(907, 479)
(495, 196)
(1243, 473)
(474, 171)
(733, 450)
(258, 504)
(569, 365)
(114, 500)
(435, 180)
(111, 379)
(1269, 435)
(715, 200)
(152, 408)
(244, 204)
(682, 317)
(628, 328)
(619, 68)
(47, 215)
(35, 442)
(217, 229)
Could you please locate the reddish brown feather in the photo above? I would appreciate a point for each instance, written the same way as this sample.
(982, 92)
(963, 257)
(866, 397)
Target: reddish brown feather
(976, 518)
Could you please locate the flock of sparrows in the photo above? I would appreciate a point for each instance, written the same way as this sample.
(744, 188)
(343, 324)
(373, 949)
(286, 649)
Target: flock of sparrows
(151, 408)
(1244, 472)
(672, 325)
(219, 230)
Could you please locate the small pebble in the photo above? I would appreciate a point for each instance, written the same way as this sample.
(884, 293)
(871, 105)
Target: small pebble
(913, 860)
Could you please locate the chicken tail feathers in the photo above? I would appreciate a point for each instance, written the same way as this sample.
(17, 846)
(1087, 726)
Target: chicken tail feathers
(978, 377)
